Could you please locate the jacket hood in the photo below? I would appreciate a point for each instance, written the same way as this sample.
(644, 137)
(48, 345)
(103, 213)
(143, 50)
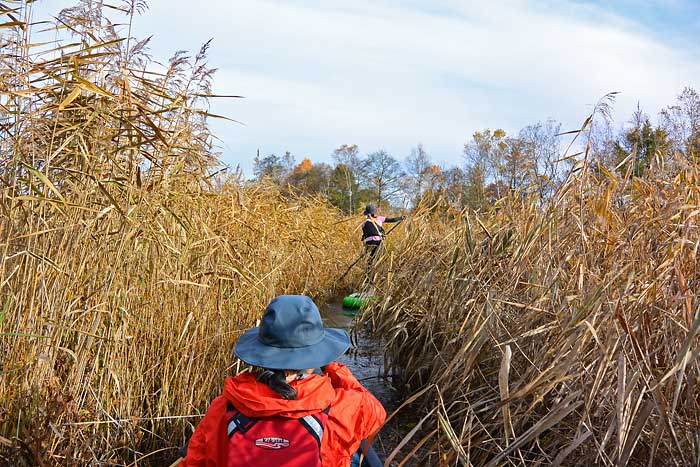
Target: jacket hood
(256, 399)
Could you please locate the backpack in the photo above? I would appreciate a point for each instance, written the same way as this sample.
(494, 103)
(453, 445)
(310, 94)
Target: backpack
(274, 441)
(377, 227)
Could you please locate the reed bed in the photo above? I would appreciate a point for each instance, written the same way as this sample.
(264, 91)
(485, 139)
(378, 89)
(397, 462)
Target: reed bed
(129, 261)
(112, 325)
(563, 333)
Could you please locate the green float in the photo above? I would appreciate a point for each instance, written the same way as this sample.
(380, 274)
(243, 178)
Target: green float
(356, 301)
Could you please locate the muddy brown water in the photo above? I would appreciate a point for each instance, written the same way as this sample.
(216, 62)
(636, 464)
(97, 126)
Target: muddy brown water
(366, 361)
(365, 358)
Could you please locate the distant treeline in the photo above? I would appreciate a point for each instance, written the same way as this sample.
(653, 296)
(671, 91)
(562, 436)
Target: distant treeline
(535, 161)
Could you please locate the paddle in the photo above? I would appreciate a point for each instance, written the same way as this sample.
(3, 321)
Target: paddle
(362, 255)
(395, 225)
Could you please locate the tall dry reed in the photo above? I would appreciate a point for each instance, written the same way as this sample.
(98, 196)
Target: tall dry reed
(555, 334)
(129, 264)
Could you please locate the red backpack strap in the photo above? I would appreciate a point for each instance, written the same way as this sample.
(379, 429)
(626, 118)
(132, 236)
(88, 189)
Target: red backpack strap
(236, 421)
(315, 424)
(314, 427)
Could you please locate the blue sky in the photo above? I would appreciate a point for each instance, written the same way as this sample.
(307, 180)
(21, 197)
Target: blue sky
(388, 74)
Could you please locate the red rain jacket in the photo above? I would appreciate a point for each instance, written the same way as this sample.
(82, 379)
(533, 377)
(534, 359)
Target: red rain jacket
(354, 414)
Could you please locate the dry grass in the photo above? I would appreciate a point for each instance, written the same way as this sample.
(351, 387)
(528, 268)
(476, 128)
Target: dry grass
(558, 334)
(128, 267)
(124, 318)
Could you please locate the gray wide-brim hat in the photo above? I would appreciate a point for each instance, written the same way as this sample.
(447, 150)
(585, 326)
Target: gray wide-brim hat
(291, 336)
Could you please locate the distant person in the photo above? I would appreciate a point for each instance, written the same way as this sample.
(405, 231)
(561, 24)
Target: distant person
(373, 230)
(281, 413)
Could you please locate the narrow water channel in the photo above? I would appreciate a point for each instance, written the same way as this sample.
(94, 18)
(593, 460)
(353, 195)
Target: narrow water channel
(366, 361)
(365, 358)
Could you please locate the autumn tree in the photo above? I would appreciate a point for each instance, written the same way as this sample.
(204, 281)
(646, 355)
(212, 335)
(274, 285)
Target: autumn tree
(345, 175)
(516, 168)
(309, 178)
(641, 142)
(455, 186)
(416, 164)
(304, 165)
(434, 182)
(484, 161)
(542, 145)
(344, 189)
(682, 123)
(602, 140)
(381, 174)
(273, 167)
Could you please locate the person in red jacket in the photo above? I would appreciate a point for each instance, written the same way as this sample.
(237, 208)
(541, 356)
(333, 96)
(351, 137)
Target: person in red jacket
(282, 412)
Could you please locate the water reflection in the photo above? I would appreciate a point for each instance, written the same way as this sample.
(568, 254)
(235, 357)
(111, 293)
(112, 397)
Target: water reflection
(366, 358)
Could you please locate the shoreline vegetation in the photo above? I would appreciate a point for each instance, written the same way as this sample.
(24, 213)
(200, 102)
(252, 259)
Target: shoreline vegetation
(539, 305)
(129, 264)
(564, 334)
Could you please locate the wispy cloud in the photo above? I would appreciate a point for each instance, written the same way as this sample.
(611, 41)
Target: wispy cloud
(389, 74)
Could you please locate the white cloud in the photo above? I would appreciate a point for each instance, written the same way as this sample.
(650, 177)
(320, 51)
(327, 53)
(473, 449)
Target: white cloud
(383, 74)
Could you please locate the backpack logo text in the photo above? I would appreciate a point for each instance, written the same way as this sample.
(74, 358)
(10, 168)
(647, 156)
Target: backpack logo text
(272, 443)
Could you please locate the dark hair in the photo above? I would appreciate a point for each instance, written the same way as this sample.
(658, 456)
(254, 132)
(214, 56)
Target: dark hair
(277, 381)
